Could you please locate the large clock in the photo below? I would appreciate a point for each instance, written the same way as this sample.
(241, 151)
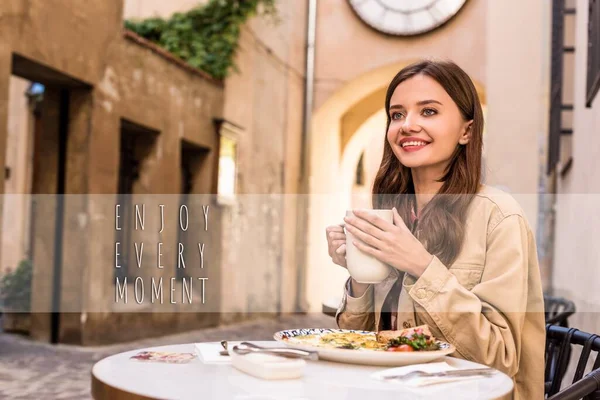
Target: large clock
(406, 17)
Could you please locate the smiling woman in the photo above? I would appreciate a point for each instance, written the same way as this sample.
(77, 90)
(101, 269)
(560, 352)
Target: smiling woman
(450, 122)
(463, 256)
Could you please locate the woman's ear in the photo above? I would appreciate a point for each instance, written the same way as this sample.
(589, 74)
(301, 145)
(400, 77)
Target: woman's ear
(466, 134)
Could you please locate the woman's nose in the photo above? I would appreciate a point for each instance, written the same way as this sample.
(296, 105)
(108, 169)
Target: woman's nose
(410, 124)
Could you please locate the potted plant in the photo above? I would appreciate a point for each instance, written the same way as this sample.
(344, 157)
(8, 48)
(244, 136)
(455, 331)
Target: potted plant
(15, 298)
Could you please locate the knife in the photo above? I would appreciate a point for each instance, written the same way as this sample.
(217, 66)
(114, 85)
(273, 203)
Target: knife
(282, 352)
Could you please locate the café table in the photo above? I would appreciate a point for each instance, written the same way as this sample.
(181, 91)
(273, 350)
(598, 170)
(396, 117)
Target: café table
(117, 377)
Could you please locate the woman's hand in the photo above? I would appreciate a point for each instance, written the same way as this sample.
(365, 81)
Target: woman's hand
(336, 244)
(393, 244)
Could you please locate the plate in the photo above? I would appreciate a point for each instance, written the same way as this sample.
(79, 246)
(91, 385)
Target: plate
(361, 356)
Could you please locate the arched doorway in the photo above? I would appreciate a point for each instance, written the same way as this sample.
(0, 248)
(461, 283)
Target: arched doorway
(349, 126)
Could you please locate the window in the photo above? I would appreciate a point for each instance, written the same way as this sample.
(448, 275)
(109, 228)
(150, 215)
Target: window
(128, 174)
(137, 143)
(186, 185)
(228, 162)
(192, 185)
(593, 67)
(556, 85)
(561, 88)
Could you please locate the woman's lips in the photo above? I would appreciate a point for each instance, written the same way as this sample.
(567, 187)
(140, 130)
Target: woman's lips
(412, 148)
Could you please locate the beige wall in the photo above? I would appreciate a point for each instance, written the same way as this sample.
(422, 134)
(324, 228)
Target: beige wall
(347, 48)
(576, 268)
(266, 100)
(517, 84)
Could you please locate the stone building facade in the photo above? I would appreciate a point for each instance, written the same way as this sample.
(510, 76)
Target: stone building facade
(269, 249)
(124, 106)
(102, 85)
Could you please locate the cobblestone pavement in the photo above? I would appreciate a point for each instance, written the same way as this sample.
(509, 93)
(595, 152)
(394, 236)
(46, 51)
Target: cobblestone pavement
(32, 370)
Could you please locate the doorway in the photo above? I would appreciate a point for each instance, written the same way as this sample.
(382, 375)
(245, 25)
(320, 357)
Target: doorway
(40, 105)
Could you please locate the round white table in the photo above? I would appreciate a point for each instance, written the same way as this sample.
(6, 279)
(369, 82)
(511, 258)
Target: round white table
(117, 377)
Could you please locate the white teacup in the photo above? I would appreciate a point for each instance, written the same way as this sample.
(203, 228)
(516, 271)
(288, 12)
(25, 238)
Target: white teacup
(363, 267)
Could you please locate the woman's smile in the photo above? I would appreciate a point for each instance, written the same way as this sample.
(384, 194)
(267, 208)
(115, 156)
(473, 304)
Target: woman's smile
(412, 148)
(412, 144)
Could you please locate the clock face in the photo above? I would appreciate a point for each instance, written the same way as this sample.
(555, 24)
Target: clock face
(405, 17)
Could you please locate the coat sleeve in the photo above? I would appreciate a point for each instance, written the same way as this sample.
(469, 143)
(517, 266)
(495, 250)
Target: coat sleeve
(356, 312)
(484, 323)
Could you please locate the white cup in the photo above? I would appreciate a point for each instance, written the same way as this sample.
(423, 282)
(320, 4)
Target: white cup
(363, 267)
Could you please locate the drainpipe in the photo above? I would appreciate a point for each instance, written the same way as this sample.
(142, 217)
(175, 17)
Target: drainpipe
(304, 184)
(309, 90)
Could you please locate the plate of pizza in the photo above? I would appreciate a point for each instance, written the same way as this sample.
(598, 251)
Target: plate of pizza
(386, 348)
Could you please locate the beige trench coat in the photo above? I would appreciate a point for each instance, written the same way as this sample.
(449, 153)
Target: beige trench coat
(488, 303)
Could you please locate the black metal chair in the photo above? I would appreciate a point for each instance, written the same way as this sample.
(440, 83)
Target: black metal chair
(558, 310)
(558, 349)
(587, 388)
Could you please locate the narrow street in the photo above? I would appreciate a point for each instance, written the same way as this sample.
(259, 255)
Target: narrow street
(31, 370)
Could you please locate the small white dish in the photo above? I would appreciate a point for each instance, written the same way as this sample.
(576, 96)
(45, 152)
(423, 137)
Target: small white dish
(267, 366)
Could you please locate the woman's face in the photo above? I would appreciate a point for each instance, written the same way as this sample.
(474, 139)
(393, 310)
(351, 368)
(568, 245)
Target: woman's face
(425, 124)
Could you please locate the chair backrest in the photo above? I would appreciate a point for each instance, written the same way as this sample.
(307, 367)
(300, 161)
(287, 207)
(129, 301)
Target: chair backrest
(559, 341)
(558, 310)
(587, 388)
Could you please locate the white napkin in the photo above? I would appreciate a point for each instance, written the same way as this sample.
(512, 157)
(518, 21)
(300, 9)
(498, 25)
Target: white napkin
(209, 353)
(422, 381)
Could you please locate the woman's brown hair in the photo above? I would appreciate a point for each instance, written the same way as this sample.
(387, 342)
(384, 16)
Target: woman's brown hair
(442, 220)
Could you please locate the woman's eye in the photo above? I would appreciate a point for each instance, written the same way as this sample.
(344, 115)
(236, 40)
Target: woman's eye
(429, 111)
(396, 115)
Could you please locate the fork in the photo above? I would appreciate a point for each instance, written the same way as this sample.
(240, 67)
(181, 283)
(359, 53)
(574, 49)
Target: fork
(224, 352)
(442, 374)
(247, 347)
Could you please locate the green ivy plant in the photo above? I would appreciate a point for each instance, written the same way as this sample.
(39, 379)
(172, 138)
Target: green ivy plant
(15, 288)
(207, 36)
